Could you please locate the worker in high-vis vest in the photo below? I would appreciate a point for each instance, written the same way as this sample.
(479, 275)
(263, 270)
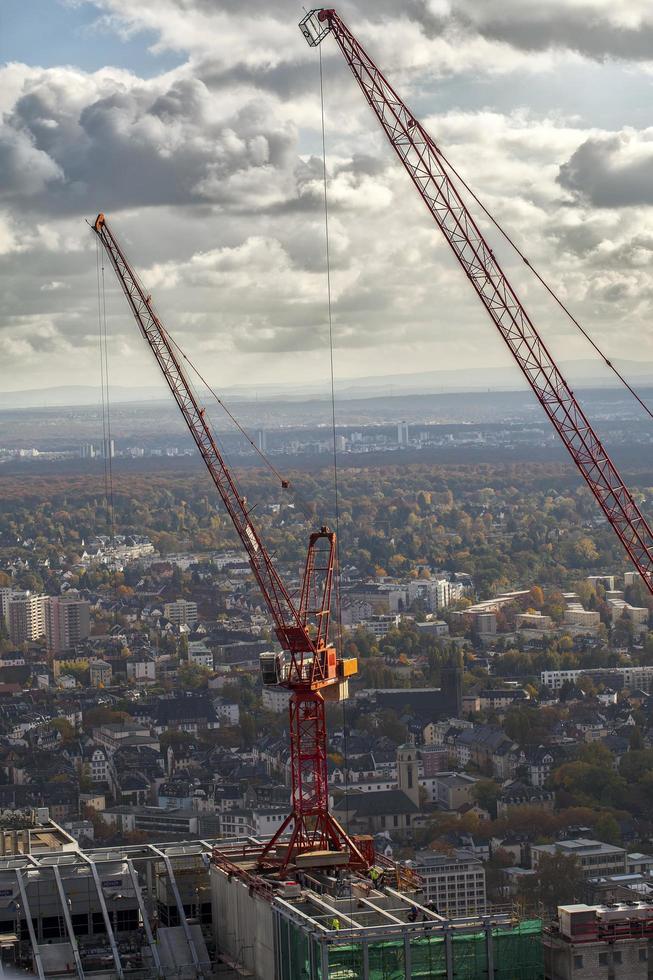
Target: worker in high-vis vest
(335, 922)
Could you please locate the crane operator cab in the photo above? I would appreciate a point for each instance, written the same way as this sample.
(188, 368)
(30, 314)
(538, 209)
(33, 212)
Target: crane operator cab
(272, 667)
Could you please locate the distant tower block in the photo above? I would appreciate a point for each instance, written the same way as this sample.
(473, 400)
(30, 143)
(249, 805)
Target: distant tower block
(262, 440)
(402, 433)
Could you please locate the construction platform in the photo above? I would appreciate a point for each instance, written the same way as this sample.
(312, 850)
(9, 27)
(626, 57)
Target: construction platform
(332, 923)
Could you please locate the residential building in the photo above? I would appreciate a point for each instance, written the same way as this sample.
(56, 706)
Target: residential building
(593, 856)
(638, 615)
(484, 623)
(607, 581)
(141, 669)
(227, 711)
(633, 677)
(434, 758)
(453, 789)
(518, 794)
(533, 621)
(433, 627)
(6, 593)
(500, 698)
(100, 673)
(600, 942)
(96, 764)
(369, 813)
(199, 654)
(26, 617)
(181, 612)
(275, 699)
(381, 625)
(575, 615)
(454, 883)
(67, 622)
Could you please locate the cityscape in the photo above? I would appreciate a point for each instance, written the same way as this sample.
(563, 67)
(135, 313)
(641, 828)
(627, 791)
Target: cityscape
(326, 591)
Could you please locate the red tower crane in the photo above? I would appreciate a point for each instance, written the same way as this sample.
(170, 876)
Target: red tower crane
(310, 666)
(422, 159)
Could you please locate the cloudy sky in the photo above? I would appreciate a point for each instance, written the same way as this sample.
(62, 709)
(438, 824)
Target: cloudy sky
(195, 125)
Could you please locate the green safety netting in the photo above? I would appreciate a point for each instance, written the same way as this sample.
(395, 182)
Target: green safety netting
(517, 955)
(470, 956)
(518, 952)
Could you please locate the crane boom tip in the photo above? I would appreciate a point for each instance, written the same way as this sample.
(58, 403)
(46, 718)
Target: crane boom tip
(99, 222)
(316, 25)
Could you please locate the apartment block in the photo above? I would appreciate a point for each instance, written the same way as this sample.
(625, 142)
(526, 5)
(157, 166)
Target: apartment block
(455, 884)
(575, 615)
(181, 612)
(593, 856)
(26, 617)
(600, 942)
(67, 622)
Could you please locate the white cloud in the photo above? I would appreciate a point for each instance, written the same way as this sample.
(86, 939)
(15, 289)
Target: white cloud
(212, 178)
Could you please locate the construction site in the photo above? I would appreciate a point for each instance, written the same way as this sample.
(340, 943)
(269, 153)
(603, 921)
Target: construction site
(202, 909)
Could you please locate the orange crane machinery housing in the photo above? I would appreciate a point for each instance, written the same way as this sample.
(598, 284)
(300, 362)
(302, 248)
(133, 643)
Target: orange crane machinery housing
(309, 665)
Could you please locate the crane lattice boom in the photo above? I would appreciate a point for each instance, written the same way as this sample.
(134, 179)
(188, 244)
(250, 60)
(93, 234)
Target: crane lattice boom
(419, 155)
(314, 671)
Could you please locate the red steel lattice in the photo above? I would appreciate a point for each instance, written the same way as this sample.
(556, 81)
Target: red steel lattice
(302, 631)
(419, 155)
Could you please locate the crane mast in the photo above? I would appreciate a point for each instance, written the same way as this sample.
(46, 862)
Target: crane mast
(312, 671)
(420, 156)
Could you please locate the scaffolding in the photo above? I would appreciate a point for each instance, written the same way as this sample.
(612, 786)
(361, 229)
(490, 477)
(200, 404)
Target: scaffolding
(513, 953)
(335, 924)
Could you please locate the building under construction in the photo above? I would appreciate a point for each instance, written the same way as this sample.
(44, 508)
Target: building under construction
(331, 922)
(203, 909)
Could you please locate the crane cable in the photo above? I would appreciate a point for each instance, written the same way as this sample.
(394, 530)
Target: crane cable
(284, 482)
(307, 507)
(338, 601)
(565, 309)
(107, 445)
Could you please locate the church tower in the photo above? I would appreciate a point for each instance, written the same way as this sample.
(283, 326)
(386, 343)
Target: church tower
(451, 685)
(408, 771)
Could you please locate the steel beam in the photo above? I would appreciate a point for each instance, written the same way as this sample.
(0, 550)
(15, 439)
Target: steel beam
(180, 908)
(105, 915)
(69, 924)
(146, 921)
(30, 925)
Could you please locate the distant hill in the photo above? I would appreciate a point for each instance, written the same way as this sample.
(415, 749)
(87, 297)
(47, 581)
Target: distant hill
(581, 373)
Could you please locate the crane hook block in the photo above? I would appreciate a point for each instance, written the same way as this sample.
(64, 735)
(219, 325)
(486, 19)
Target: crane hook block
(99, 222)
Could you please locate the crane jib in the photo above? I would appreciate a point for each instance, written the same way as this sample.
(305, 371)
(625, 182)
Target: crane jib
(420, 157)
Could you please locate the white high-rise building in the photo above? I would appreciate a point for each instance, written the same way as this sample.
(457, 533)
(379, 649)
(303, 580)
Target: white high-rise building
(402, 433)
(5, 595)
(26, 617)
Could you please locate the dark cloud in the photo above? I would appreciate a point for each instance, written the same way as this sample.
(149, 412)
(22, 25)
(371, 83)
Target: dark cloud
(610, 172)
(570, 29)
(135, 147)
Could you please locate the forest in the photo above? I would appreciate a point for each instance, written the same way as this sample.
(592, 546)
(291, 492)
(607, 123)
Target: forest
(506, 526)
